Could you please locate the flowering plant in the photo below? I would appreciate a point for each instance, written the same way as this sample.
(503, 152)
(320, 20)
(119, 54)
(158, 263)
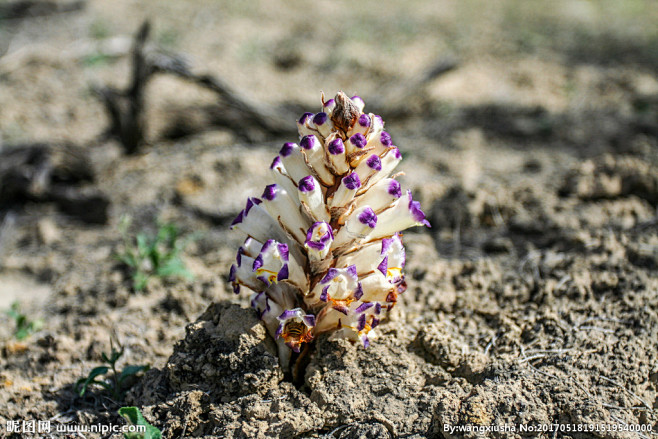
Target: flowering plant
(324, 250)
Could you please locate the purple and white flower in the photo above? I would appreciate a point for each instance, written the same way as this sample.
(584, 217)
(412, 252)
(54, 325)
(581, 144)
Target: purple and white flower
(312, 199)
(295, 328)
(323, 251)
(318, 242)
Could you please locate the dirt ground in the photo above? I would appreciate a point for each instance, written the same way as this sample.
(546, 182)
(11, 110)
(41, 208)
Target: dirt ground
(532, 301)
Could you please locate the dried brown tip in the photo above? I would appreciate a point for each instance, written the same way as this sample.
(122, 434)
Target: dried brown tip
(345, 113)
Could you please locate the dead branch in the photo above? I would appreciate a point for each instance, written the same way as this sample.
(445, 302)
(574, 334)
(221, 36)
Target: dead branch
(58, 174)
(126, 108)
(234, 108)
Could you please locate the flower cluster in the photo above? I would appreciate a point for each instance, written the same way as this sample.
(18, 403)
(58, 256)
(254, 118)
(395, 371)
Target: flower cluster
(323, 249)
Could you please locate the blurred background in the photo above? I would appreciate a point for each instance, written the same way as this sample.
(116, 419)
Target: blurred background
(161, 109)
(132, 131)
(173, 110)
(560, 56)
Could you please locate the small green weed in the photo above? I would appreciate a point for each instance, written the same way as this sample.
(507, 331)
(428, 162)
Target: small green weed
(154, 255)
(99, 29)
(24, 326)
(134, 417)
(117, 383)
(96, 59)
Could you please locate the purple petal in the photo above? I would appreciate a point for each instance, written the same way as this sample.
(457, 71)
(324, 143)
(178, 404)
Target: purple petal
(238, 219)
(331, 273)
(263, 279)
(385, 138)
(364, 120)
(236, 289)
(368, 218)
(258, 262)
(358, 293)
(304, 118)
(309, 319)
(336, 147)
(238, 257)
(251, 202)
(416, 211)
(320, 118)
(351, 270)
(267, 307)
(309, 233)
(374, 162)
(375, 322)
(358, 140)
(325, 292)
(279, 330)
(270, 192)
(383, 266)
(231, 273)
(287, 148)
(362, 323)
(386, 245)
(341, 308)
(283, 251)
(254, 301)
(394, 189)
(366, 342)
(308, 142)
(276, 162)
(397, 153)
(288, 314)
(329, 103)
(363, 308)
(352, 181)
(269, 243)
(319, 246)
(283, 273)
(378, 308)
(306, 184)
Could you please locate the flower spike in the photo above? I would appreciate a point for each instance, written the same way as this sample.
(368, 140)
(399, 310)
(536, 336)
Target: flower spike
(324, 251)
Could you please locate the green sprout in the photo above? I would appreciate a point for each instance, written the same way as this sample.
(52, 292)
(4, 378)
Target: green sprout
(24, 326)
(135, 417)
(96, 59)
(117, 383)
(154, 255)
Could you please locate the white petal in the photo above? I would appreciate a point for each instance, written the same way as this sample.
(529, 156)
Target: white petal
(281, 206)
(313, 149)
(312, 200)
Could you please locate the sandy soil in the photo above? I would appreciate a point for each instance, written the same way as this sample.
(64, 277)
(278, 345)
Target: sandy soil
(532, 300)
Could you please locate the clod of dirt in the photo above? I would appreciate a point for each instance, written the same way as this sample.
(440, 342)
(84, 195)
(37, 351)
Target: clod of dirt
(441, 348)
(224, 379)
(613, 177)
(384, 383)
(226, 353)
